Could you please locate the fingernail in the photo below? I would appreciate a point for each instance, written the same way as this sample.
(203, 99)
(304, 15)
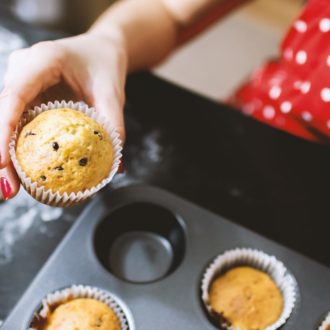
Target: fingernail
(5, 188)
(121, 168)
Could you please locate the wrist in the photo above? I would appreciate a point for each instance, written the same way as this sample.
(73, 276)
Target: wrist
(112, 34)
(96, 44)
(113, 37)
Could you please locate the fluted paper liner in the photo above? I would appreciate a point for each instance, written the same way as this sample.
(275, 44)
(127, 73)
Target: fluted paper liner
(261, 261)
(325, 323)
(49, 196)
(81, 291)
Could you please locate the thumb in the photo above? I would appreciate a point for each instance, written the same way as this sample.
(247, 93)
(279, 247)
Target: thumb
(111, 105)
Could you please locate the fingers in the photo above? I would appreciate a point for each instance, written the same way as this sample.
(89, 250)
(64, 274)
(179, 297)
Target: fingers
(110, 102)
(112, 109)
(9, 183)
(8, 122)
(108, 87)
(30, 71)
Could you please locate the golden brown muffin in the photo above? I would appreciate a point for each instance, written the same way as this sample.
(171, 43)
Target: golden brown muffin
(328, 327)
(65, 150)
(82, 314)
(246, 298)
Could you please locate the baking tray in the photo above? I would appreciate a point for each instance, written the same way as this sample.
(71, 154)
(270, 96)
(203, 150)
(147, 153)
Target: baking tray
(150, 248)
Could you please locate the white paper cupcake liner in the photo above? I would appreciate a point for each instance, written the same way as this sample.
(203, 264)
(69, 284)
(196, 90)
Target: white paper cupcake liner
(55, 198)
(325, 323)
(261, 261)
(81, 291)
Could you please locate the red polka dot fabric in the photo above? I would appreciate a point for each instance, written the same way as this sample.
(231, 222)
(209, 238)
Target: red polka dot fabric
(293, 92)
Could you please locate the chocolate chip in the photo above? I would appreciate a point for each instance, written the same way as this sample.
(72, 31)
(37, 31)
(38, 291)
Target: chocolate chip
(98, 322)
(83, 161)
(55, 146)
(59, 168)
(43, 178)
(29, 133)
(98, 134)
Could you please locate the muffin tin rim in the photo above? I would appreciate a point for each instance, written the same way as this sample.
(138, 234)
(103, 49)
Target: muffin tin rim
(264, 245)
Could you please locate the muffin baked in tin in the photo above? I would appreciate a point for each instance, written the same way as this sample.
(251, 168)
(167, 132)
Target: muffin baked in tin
(246, 297)
(246, 289)
(325, 325)
(80, 307)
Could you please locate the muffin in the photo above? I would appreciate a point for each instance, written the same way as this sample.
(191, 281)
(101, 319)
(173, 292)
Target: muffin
(80, 307)
(246, 298)
(326, 323)
(82, 314)
(64, 150)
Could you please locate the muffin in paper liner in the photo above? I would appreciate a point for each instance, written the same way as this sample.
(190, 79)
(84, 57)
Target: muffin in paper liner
(325, 325)
(75, 292)
(55, 198)
(258, 260)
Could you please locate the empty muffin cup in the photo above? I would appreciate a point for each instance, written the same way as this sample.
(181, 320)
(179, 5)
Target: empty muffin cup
(55, 300)
(52, 196)
(234, 268)
(325, 325)
(140, 242)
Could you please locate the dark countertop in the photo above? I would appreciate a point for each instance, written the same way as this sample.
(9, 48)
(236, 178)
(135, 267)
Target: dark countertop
(262, 178)
(208, 153)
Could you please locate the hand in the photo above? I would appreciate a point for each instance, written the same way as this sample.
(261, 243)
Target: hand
(89, 67)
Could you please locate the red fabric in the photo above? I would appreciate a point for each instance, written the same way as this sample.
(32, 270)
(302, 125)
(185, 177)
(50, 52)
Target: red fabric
(219, 10)
(293, 93)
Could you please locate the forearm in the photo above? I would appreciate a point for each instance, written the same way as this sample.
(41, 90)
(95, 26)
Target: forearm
(151, 29)
(145, 26)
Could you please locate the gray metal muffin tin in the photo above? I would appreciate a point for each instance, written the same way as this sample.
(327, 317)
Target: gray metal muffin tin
(150, 248)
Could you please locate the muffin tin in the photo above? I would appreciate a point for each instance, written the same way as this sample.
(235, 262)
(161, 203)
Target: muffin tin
(150, 248)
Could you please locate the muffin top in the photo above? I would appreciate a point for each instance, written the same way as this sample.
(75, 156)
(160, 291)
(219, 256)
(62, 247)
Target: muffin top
(82, 314)
(246, 298)
(64, 150)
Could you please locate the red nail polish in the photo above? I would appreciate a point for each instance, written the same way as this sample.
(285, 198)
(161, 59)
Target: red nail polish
(5, 188)
(121, 168)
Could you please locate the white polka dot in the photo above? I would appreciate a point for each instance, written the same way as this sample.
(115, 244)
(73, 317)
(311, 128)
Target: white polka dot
(286, 107)
(300, 26)
(324, 25)
(305, 87)
(328, 124)
(288, 54)
(297, 84)
(325, 94)
(301, 57)
(275, 92)
(307, 116)
(269, 112)
(328, 60)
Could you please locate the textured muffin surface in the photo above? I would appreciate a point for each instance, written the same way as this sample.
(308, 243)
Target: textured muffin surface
(247, 298)
(64, 150)
(83, 314)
